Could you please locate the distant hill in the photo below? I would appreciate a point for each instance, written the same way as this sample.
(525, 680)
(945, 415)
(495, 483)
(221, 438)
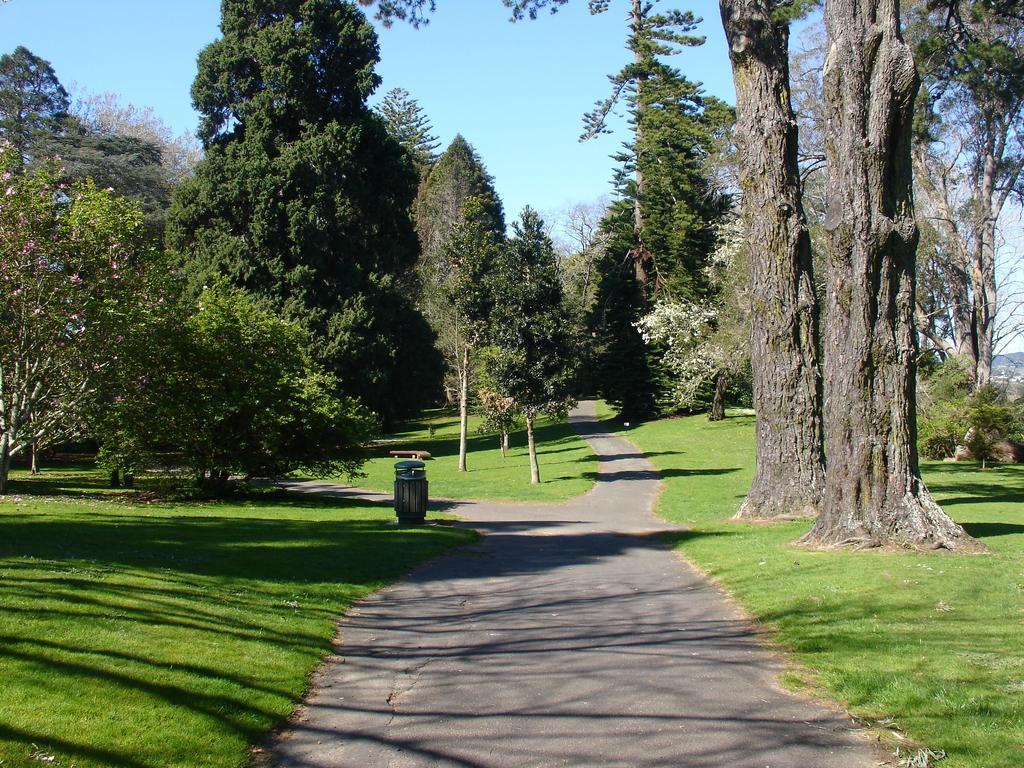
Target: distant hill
(1011, 360)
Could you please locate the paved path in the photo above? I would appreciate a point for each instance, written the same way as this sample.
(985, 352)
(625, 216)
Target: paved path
(570, 635)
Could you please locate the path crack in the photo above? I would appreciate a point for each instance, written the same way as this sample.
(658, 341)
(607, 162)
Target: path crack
(410, 676)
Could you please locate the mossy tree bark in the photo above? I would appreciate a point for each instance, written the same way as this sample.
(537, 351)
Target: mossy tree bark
(874, 494)
(784, 326)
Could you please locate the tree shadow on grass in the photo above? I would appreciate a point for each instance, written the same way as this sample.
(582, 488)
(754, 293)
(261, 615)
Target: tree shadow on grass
(81, 481)
(609, 477)
(987, 530)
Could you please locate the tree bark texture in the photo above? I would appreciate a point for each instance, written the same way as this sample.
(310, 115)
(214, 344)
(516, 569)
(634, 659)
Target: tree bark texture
(874, 495)
(504, 443)
(718, 402)
(5, 464)
(534, 464)
(35, 459)
(463, 407)
(790, 473)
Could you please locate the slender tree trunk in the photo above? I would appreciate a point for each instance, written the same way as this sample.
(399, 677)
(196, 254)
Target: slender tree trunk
(985, 295)
(504, 443)
(463, 408)
(873, 490)
(35, 458)
(5, 463)
(790, 474)
(718, 402)
(115, 477)
(641, 257)
(534, 465)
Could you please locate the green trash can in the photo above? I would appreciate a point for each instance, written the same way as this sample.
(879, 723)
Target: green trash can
(411, 492)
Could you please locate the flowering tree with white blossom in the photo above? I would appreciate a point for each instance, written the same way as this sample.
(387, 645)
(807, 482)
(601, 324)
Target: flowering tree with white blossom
(71, 259)
(707, 343)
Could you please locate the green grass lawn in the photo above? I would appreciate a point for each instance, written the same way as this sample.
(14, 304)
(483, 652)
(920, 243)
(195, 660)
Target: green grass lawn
(567, 465)
(147, 634)
(935, 642)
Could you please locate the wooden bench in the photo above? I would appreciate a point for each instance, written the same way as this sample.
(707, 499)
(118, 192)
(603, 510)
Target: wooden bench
(411, 454)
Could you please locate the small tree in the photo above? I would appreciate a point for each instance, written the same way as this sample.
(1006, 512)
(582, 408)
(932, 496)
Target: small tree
(471, 251)
(71, 260)
(533, 362)
(991, 417)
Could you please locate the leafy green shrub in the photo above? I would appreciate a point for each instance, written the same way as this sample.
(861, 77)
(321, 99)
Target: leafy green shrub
(942, 418)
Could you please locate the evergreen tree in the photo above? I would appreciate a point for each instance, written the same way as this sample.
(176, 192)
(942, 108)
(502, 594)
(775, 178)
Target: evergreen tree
(471, 252)
(663, 229)
(457, 177)
(132, 167)
(410, 127)
(646, 83)
(790, 468)
(303, 197)
(32, 100)
(533, 359)
(624, 375)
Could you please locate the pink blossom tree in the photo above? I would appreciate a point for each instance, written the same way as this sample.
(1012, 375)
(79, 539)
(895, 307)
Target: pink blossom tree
(71, 260)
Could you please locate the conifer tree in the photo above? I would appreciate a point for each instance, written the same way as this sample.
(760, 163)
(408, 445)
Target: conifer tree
(470, 252)
(409, 126)
(457, 177)
(303, 197)
(663, 182)
(532, 360)
(33, 103)
(790, 470)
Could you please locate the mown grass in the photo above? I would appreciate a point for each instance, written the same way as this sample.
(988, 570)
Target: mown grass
(148, 634)
(934, 642)
(567, 465)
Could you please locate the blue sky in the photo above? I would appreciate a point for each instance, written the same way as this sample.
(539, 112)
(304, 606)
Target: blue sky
(517, 92)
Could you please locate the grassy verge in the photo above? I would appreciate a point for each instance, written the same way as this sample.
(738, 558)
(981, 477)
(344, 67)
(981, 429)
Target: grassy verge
(144, 635)
(934, 642)
(567, 465)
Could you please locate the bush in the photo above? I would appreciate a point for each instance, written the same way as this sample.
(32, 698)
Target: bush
(950, 415)
(225, 387)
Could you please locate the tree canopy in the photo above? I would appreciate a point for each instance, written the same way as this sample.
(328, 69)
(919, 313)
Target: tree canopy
(32, 100)
(303, 197)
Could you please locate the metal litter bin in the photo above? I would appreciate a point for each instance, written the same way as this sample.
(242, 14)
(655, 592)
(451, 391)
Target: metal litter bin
(411, 492)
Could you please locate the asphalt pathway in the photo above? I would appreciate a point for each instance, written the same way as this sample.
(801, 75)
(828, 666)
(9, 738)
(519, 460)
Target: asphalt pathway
(570, 635)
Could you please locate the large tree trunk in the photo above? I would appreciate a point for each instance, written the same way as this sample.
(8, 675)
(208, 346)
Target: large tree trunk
(718, 402)
(534, 464)
(463, 408)
(874, 495)
(784, 326)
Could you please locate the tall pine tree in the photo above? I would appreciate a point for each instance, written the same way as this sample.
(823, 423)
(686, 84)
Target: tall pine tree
(662, 230)
(33, 103)
(303, 196)
(410, 126)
